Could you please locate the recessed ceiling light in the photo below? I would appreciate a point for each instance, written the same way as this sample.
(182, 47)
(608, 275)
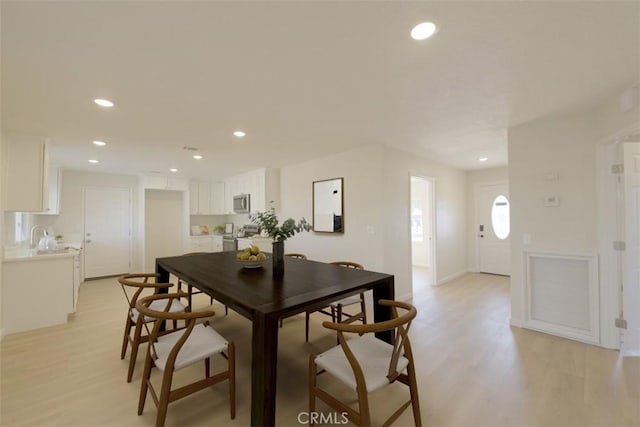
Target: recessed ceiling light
(173, 170)
(239, 133)
(99, 143)
(94, 161)
(483, 159)
(197, 157)
(423, 31)
(103, 102)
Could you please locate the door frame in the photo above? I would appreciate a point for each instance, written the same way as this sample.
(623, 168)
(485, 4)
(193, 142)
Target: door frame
(610, 296)
(84, 222)
(433, 228)
(476, 219)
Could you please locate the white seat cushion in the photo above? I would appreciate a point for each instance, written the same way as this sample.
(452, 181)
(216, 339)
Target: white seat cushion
(347, 301)
(159, 305)
(202, 343)
(373, 355)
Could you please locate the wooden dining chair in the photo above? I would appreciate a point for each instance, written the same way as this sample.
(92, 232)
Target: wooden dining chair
(139, 283)
(365, 364)
(190, 289)
(178, 349)
(296, 255)
(336, 309)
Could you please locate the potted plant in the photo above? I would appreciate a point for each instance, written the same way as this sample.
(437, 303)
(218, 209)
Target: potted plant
(268, 222)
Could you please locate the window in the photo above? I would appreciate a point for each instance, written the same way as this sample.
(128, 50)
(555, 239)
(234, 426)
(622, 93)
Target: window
(500, 217)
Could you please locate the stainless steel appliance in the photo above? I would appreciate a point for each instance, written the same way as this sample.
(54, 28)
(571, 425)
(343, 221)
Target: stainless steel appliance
(229, 243)
(245, 235)
(242, 203)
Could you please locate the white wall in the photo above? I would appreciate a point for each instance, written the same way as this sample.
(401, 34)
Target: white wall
(567, 146)
(2, 230)
(362, 240)
(450, 192)
(163, 222)
(70, 221)
(474, 179)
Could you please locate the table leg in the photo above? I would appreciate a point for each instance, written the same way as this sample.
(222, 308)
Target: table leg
(382, 313)
(264, 362)
(164, 275)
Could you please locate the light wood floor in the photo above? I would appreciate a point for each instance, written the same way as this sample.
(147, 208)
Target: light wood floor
(473, 369)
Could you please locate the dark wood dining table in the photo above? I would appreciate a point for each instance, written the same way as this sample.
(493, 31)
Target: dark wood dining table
(263, 299)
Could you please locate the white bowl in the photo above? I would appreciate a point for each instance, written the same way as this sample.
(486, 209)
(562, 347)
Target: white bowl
(252, 264)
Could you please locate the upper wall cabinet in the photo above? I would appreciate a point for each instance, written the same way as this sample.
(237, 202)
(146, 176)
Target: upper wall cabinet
(217, 198)
(262, 184)
(26, 173)
(199, 198)
(161, 182)
(54, 187)
(206, 198)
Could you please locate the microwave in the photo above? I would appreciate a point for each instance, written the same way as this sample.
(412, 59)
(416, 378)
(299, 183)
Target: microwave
(241, 203)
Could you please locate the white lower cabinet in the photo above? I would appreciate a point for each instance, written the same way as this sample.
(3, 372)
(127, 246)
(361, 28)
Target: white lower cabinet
(217, 243)
(205, 244)
(77, 279)
(264, 244)
(38, 292)
(201, 244)
(244, 243)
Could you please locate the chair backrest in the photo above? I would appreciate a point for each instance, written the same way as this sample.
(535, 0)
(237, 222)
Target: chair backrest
(296, 255)
(189, 317)
(348, 264)
(399, 323)
(139, 282)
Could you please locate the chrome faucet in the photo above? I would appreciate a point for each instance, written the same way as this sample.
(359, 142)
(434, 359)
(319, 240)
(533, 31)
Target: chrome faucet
(32, 242)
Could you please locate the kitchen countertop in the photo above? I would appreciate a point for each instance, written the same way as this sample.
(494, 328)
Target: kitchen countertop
(15, 254)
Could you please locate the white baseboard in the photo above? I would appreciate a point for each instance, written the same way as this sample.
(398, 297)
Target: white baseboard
(451, 277)
(515, 322)
(406, 297)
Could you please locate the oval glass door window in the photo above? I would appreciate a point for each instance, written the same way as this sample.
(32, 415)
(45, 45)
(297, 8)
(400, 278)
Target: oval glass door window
(500, 217)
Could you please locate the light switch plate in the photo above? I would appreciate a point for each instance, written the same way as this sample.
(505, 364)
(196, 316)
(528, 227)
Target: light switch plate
(552, 201)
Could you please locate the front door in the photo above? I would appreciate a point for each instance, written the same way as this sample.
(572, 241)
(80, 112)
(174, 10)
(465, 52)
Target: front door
(107, 231)
(493, 228)
(631, 274)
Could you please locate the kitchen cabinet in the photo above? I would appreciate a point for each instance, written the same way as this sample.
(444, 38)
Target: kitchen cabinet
(25, 164)
(161, 182)
(54, 183)
(217, 243)
(200, 244)
(264, 243)
(77, 279)
(262, 184)
(206, 243)
(39, 290)
(199, 198)
(217, 199)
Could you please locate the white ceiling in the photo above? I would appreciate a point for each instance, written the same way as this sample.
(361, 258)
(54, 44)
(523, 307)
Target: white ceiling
(303, 79)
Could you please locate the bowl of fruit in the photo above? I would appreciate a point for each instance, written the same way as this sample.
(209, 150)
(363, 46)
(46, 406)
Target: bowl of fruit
(251, 257)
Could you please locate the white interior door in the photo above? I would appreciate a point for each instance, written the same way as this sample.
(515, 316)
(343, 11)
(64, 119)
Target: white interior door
(107, 231)
(493, 228)
(631, 275)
